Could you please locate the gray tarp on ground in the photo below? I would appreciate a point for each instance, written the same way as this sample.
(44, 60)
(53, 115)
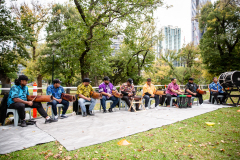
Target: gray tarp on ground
(77, 131)
(17, 138)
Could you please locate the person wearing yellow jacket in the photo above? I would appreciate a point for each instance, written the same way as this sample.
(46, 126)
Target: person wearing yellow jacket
(148, 92)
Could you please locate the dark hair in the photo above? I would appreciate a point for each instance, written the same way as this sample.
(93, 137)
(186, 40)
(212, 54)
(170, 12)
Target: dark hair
(130, 80)
(56, 81)
(17, 82)
(173, 79)
(191, 79)
(21, 77)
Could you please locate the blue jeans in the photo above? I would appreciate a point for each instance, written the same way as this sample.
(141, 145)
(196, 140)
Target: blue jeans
(54, 106)
(81, 102)
(104, 99)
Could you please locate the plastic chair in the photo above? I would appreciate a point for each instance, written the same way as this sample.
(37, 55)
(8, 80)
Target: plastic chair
(107, 101)
(149, 102)
(16, 116)
(124, 104)
(86, 103)
(194, 98)
(172, 98)
(59, 106)
(212, 97)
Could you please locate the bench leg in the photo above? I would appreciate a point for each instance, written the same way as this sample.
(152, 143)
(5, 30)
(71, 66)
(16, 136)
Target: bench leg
(171, 102)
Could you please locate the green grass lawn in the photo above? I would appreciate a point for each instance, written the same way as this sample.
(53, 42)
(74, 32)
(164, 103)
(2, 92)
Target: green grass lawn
(188, 139)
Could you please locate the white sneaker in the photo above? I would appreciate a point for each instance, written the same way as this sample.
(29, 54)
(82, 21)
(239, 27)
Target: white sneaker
(157, 108)
(146, 108)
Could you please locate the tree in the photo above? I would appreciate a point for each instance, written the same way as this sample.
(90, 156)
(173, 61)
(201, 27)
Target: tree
(97, 24)
(136, 53)
(189, 58)
(13, 39)
(220, 43)
(33, 16)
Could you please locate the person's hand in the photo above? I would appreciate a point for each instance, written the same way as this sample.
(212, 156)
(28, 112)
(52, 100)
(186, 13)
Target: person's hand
(129, 94)
(30, 103)
(59, 100)
(194, 94)
(217, 91)
(89, 99)
(109, 95)
(152, 95)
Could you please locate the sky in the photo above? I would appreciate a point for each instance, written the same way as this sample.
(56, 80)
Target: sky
(178, 15)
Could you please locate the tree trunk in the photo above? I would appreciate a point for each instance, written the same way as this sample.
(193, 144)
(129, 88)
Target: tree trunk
(96, 81)
(6, 83)
(84, 74)
(39, 83)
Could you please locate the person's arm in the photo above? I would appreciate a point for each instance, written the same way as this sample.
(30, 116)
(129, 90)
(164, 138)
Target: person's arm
(212, 90)
(104, 93)
(30, 103)
(82, 96)
(187, 90)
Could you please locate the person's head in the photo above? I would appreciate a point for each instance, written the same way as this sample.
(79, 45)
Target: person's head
(174, 80)
(149, 81)
(215, 79)
(190, 80)
(106, 80)
(22, 80)
(129, 81)
(86, 81)
(56, 83)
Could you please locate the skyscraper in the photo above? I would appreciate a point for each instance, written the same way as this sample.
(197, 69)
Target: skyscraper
(196, 6)
(171, 40)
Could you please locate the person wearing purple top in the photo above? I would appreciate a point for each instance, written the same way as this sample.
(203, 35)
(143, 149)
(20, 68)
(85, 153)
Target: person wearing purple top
(106, 89)
(172, 91)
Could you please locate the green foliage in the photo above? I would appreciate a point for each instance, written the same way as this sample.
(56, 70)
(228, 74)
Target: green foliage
(221, 42)
(191, 66)
(13, 38)
(136, 52)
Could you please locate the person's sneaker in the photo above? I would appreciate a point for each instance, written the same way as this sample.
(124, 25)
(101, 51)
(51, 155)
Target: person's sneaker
(146, 108)
(50, 120)
(84, 114)
(110, 110)
(105, 111)
(64, 116)
(157, 107)
(23, 123)
(91, 113)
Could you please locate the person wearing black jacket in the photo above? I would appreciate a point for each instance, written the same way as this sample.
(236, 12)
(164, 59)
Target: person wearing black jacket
(191, 88)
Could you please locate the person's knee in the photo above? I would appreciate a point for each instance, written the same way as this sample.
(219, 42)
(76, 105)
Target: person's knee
(21, 105)
(93, 100)
(146, 97)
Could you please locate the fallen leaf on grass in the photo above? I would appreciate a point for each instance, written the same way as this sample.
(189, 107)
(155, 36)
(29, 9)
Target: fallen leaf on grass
(222, 150)
(57, 156)
(96, 152)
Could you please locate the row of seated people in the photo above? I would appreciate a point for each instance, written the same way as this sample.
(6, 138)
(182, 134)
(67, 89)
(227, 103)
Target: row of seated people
(17, 98)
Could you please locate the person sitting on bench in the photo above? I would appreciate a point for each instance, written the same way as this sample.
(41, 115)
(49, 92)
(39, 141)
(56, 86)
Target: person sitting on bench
(56, 91)
(106, 89)
(191, 88)
(216, 89)
(172, 91)
(83, 91)
(148, 90)
(128, 91)
(17, 99)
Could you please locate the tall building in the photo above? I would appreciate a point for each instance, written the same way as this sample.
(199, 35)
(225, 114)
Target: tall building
(171, 40)
(116, 42)
(195, 10)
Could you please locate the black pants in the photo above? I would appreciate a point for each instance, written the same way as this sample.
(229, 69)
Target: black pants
(169, 96)
(215, 94)
(162, 99)
(21, 109)
(199, 97)
(147, 98)
(126, 99)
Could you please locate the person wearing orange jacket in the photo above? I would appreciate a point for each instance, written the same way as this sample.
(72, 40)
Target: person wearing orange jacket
(148, 92)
